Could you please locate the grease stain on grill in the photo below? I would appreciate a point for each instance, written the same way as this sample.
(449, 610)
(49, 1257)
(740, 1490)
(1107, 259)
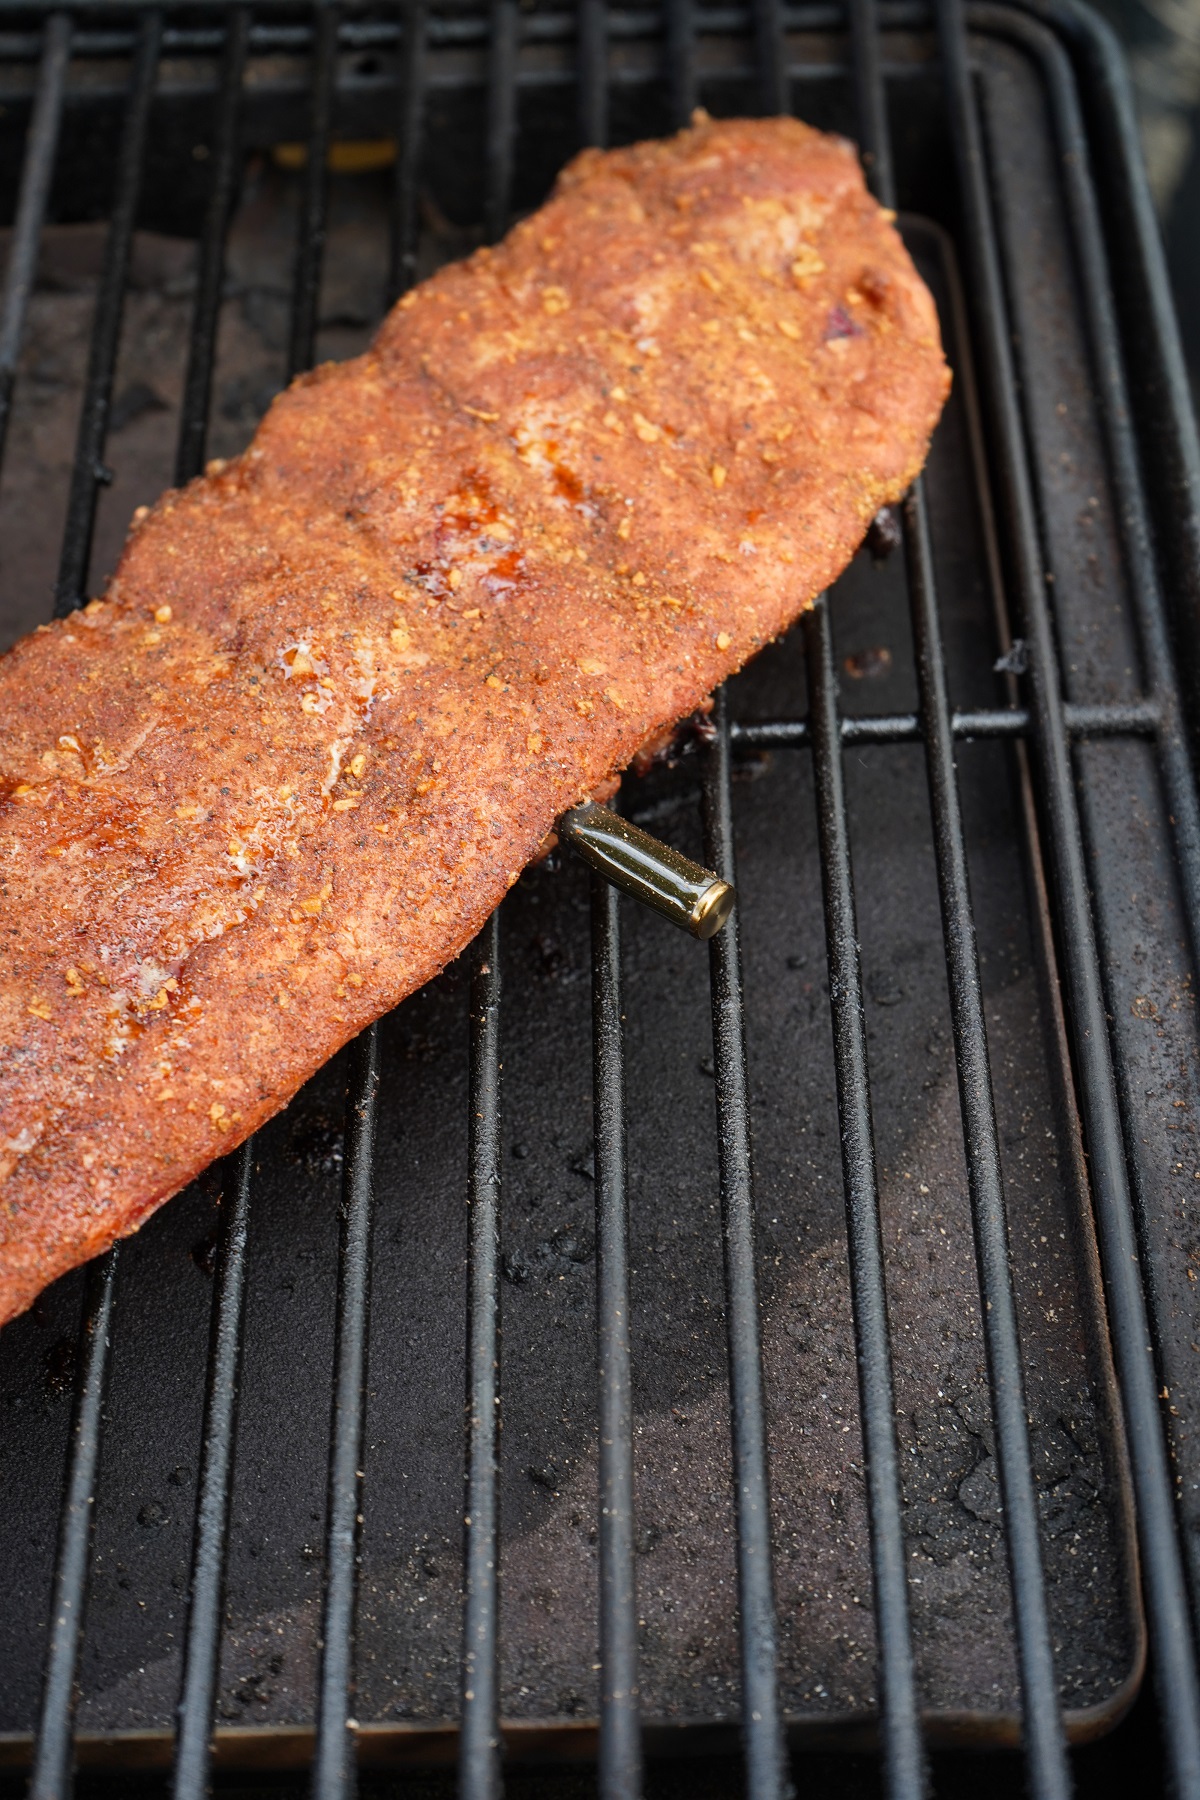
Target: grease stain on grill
(254, 1687)
(752, 765)
(868, 664)
(555, 962)
(564, 1252)
(548, 1476)
(516, 1267)
(245, 399)
(568, 1246)
(885, 990)
(884, 534)
(316, 1142)
(204, 1254)
(133, 403)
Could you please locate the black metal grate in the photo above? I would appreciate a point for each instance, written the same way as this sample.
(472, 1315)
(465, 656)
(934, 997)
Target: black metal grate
(1042, 724)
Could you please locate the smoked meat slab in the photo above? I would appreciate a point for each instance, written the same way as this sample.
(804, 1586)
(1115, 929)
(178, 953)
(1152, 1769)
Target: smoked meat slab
(340, 688)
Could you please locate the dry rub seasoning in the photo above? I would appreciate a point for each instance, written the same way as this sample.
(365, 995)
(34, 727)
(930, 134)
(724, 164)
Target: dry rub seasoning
(341, 687)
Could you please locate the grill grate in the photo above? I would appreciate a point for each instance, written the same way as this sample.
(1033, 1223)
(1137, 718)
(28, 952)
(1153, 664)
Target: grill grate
(1043, 1728)
(1163, 1570)
(1044, 728)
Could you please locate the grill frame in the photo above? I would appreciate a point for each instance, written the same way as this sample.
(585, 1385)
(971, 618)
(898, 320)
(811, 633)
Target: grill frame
(1047, 724)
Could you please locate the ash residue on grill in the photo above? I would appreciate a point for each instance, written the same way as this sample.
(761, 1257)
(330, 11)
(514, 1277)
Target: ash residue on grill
(61, 1363)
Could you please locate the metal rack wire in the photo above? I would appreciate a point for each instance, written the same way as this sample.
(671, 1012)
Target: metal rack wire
(1046, 722)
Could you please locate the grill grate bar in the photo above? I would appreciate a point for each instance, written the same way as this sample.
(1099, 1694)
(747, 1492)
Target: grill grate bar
(505, 47)
(202, 1644)
(479, 1741)
(479, 1744)
(310, 250)
(870, 101)
(335, 1749)
(771, 54)
(681, 59)
(762, 1726)
(897, 1681)
(53, 1775)
(1145, 588)
(334, 1754)
(1044, 1740)
(202, 349)
(620, 1761)
(1127, 718)
(36, 173)
(402, 262)
(89, 473)
(1171, 1639)
(1045, 1743)
(592, 52)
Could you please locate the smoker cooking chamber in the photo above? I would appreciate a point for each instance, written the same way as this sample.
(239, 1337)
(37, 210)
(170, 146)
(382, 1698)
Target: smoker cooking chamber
(1039, 478)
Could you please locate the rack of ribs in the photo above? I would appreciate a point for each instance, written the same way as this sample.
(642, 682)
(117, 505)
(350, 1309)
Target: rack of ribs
(340, 688)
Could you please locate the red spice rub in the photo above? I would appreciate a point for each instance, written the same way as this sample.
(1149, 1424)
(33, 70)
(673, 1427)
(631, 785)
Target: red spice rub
(339, 689)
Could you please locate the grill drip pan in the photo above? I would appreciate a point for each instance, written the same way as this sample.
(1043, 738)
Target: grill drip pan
(300, 1206)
